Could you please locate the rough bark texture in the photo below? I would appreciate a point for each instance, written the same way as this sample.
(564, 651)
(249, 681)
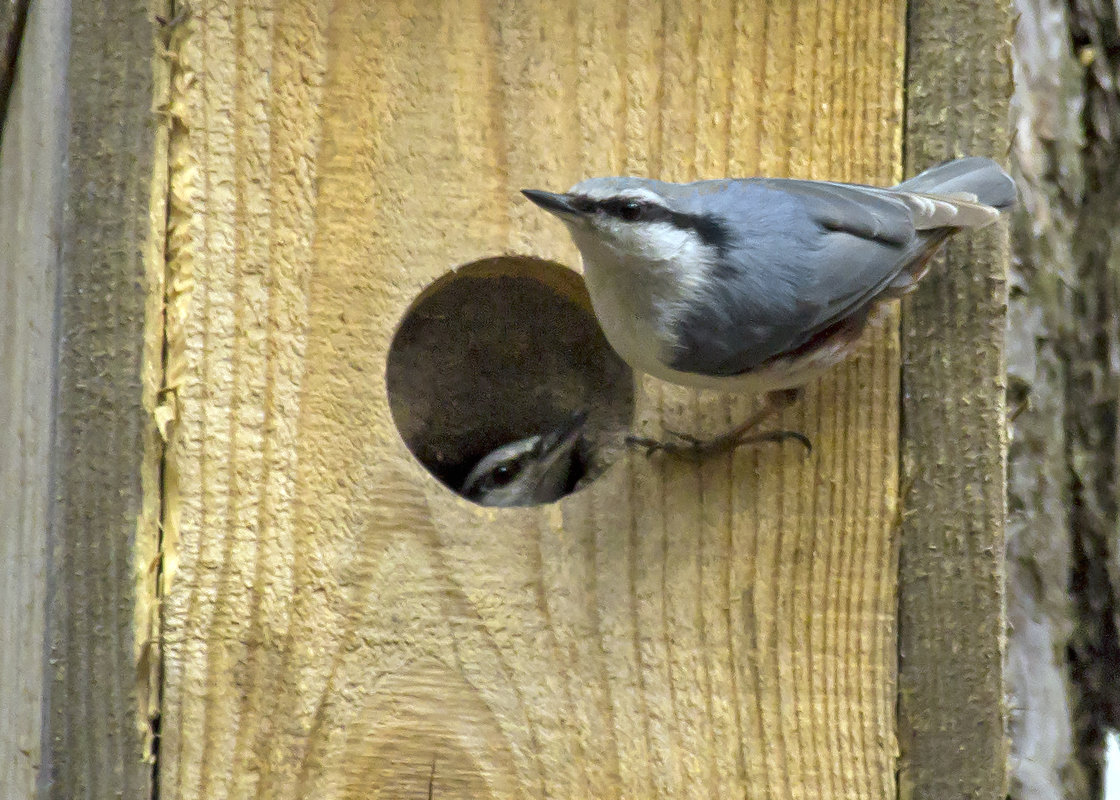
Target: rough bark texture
(1063, 565)
(951, 705)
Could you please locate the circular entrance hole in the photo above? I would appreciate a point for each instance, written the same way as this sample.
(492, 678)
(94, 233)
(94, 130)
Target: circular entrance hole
(500, 350)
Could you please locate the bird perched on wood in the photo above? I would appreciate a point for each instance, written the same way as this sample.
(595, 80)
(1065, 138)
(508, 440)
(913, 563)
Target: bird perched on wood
(531, 471)
(759, 284)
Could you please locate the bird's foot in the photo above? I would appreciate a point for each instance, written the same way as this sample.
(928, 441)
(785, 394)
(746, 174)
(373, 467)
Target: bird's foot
(691, 447)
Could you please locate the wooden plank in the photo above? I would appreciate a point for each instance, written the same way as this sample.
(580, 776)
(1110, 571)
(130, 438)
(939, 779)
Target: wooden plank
(31, 176)
(952, 714)
(104, 536)
(338, 622)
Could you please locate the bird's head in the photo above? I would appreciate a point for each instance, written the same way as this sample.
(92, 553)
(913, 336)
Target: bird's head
(634, 218)
(530, 471)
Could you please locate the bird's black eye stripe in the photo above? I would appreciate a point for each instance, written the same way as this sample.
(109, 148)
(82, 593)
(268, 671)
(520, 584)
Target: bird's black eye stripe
(584, 203)
(627, 208)
(631, 209)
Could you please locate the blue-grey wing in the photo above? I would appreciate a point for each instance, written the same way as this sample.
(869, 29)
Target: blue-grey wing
(798, 257)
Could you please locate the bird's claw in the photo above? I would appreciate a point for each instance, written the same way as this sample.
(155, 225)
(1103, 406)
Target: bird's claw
(779, 436)
(651, 446)
(686, 437)
(694, 448)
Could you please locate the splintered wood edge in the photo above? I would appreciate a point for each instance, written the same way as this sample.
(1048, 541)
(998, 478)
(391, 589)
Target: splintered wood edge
(952, 715)
(102, 670)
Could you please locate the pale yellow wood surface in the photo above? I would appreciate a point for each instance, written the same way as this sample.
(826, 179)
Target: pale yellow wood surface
(336, 621)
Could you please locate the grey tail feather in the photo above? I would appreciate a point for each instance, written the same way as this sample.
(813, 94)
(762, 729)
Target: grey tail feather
(975, 175)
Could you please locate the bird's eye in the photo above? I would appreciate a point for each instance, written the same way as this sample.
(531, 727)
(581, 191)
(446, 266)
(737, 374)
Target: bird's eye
(501, 475)
(630, 211)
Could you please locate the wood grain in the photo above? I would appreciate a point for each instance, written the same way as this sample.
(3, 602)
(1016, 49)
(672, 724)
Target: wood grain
(337, 622)
(103, 550)
(952, 713)
(31, 179)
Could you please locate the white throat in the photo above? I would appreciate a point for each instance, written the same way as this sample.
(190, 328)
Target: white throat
(640, 286)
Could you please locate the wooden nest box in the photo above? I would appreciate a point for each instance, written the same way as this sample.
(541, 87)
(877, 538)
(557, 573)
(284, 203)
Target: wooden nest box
(291, 292)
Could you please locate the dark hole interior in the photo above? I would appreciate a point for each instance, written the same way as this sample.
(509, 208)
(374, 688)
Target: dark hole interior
(499, 350)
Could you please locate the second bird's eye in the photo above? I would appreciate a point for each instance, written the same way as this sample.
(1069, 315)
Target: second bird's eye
(630, 210)
(502, 474)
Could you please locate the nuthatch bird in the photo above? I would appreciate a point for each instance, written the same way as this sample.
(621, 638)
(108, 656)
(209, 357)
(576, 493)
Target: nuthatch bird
(759, 284)
(528, 472)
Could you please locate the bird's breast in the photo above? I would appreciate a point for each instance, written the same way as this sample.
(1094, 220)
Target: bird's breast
(629, 310)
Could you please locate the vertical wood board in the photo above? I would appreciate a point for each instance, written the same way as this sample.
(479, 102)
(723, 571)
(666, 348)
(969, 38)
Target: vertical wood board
(336, 620)
(105, 500)
(31, 180)
(952, 712)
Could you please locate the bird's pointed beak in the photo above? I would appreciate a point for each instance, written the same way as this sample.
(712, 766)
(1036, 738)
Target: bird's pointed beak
(558, 204)
(558, 445)
(564, 436)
